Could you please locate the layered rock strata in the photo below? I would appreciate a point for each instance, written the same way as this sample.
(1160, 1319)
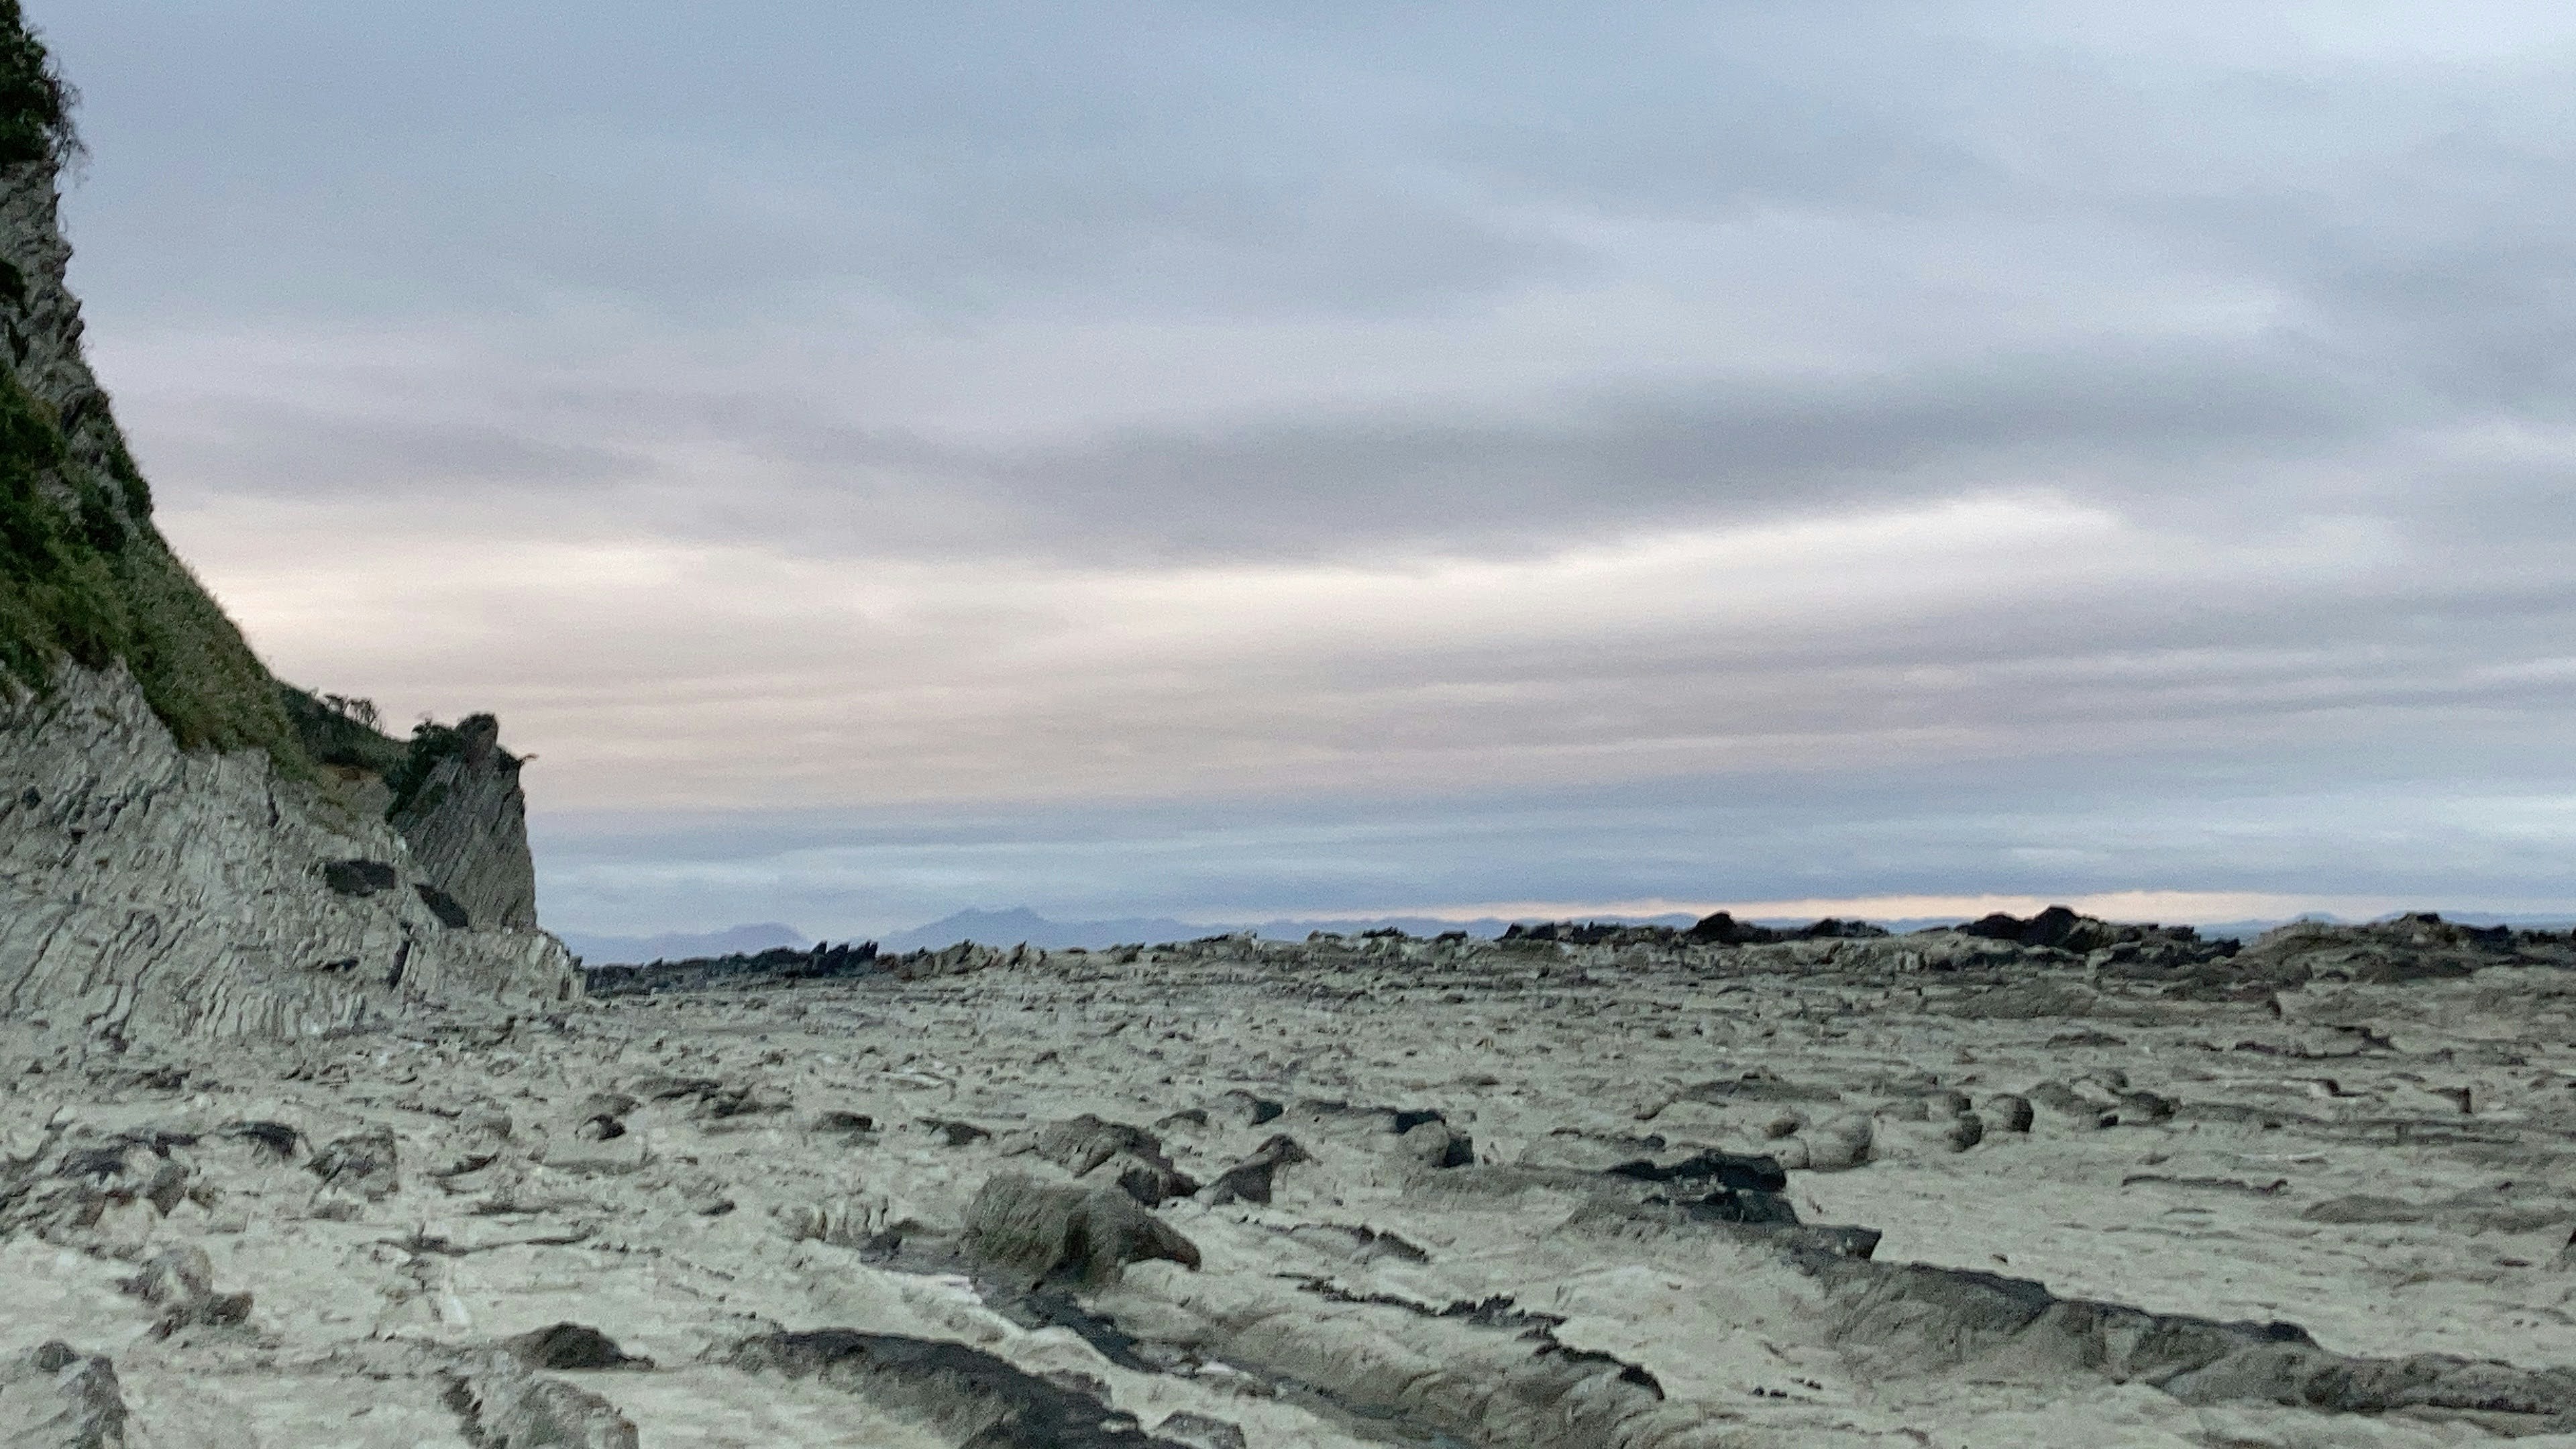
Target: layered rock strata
(149, 890)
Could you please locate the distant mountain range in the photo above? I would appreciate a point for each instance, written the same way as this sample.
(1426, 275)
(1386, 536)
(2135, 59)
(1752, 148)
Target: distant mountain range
(1020, 925)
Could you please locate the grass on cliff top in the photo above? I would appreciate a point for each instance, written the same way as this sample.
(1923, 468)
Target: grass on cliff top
(89, 579)
(87, 584)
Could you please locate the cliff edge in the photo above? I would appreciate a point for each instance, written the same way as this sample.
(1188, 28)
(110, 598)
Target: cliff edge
(186, 845)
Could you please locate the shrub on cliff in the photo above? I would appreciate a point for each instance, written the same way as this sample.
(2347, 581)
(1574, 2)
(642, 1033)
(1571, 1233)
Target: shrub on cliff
(35, 103)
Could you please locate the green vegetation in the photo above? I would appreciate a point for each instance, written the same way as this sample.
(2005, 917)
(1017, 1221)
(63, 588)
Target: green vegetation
(83, 574)
(94, 584)
(431, 742)
(337, 730)
(35, 104)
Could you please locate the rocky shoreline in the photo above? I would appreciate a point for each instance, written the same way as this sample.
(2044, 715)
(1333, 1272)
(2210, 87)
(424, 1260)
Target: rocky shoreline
(1943, 1187)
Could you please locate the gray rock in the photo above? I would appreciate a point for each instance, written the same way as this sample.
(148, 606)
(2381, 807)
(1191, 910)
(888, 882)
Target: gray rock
(970, 1395)
(503, 1406)
(1058, 1232)
(145, 855)
(2011, 1111)
(1255, 1177)
(56, 1397)
(1200, 1431)
(181, 1283)
(467, 826)
(366, 1163)
(570, 1346)
(1438, 1145)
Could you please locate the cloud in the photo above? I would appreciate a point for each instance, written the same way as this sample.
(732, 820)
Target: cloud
(1243, 458)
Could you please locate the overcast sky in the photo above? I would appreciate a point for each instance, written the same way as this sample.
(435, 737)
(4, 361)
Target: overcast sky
(1234, 460)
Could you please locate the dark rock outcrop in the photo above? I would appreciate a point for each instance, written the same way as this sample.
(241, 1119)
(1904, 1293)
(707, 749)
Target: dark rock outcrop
(467, 824)
(2418, 947)
(783, 965)
(500, 1405)
(981, 1400)
(1917, 1318)
(1043, 1232)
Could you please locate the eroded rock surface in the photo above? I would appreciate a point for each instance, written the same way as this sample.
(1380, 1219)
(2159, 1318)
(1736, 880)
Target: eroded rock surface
(1621, 1192)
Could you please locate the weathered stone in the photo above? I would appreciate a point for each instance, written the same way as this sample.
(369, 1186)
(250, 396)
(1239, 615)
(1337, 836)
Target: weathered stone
(1057, 1232)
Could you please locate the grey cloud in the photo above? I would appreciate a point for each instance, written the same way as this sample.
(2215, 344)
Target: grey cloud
(1942, 252)
(284, 451)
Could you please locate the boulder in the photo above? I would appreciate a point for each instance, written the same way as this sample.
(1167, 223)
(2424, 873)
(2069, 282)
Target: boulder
(1044, 1232)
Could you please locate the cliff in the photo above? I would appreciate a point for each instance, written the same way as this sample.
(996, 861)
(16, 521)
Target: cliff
(466, 822)
(186, 844)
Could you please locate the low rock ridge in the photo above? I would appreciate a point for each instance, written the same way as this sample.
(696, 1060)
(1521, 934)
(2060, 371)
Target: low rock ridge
(2047, 965)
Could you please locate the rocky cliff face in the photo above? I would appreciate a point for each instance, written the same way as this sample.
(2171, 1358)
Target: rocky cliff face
(147, 890)
(173, 857)
(468, 830)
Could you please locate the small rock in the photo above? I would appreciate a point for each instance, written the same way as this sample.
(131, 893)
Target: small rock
(954, 1134)
(363, 1162)
(1199, 1431)
(1965, 1131)
(1255, 1177)
(1060, 1232)
(571, 1346)
(1438, 1145)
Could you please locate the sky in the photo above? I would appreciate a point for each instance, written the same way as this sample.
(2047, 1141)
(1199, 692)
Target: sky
(1230, 461)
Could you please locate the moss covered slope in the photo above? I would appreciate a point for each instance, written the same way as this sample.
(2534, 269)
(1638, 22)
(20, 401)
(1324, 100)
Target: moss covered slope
(84, 575)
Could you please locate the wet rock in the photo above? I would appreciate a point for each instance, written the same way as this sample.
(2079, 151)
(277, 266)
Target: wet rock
(1361, 1244)
(601, 1116)
(1708, 1169)
(359, 878)
(449, 912)
(1065, 1233)
(274, 1138)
